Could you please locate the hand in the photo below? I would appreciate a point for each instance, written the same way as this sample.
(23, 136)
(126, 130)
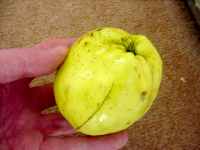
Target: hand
(22, 126)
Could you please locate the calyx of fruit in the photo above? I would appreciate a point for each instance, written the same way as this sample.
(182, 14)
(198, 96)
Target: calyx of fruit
(108, 81)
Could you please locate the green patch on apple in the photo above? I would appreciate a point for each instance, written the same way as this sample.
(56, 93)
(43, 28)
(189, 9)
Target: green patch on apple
(108, 81)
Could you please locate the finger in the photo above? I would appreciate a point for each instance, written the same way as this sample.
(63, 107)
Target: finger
(54, 125)
(109, 142)
(53, 42)
(42, 59)
(43, 80)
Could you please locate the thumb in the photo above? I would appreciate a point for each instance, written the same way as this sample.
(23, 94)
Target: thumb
(44, 58)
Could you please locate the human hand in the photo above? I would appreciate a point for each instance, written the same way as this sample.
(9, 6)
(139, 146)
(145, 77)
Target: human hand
(22, 126)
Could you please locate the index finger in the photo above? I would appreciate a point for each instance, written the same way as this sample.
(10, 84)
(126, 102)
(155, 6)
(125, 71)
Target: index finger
(44, 58)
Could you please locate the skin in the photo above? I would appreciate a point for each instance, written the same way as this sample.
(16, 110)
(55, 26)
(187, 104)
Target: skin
(22, 126)
(108, 81)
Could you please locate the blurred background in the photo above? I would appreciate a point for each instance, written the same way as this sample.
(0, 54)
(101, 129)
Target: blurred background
(173, 123)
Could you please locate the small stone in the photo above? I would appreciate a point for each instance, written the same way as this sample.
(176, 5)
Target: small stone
(183, 79)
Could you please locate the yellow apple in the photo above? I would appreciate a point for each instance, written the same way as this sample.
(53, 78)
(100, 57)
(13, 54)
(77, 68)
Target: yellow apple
(108, 81)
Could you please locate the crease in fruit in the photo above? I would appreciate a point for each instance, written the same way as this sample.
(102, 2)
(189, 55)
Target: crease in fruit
(99, 107)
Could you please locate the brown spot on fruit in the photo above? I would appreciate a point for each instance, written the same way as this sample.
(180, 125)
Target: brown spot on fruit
(143, 95)
(99, 29)
(128, 123)
(86, 43)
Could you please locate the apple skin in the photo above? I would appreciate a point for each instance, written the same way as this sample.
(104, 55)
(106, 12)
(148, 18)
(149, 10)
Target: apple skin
(108, 81)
